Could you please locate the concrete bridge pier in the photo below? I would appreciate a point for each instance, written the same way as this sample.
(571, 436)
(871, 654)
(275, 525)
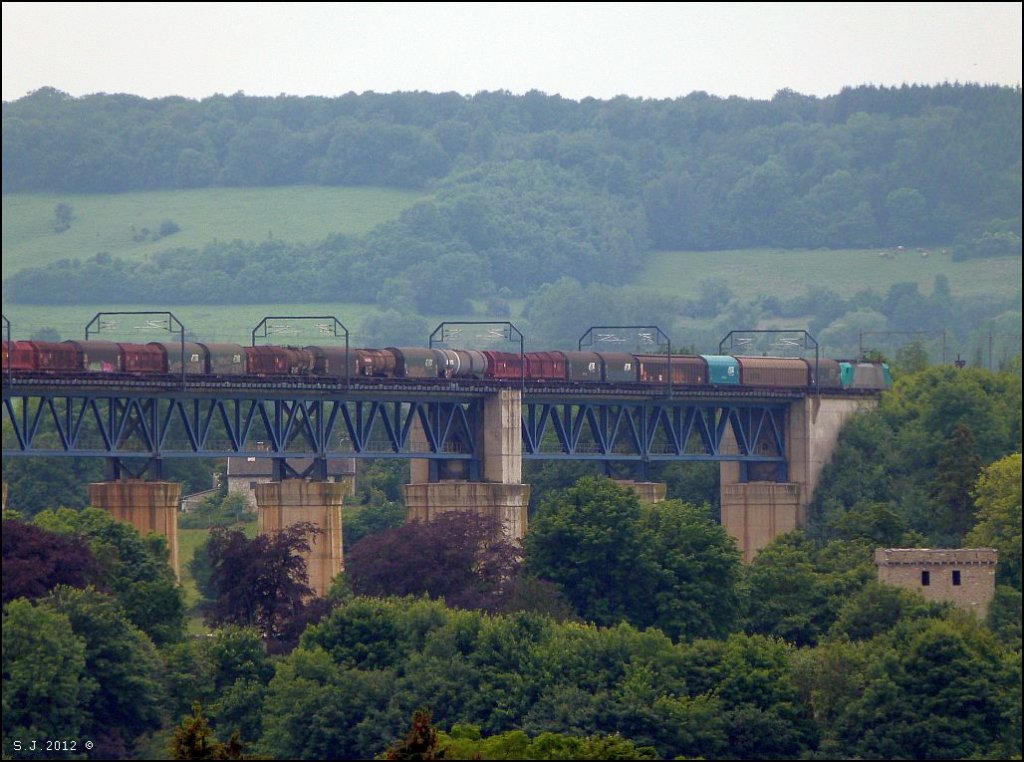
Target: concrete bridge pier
(648, 492)
(285, 503)
(147, 506)
(501, 493)
(757, 511)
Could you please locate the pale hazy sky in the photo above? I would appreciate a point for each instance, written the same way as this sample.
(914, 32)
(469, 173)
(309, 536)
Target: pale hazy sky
(655, 50)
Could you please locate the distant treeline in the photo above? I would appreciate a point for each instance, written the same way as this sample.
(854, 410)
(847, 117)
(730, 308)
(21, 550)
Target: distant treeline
(867, 167)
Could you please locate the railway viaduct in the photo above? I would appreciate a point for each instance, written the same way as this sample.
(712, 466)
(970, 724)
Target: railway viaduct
(466, 442)
(760, 499)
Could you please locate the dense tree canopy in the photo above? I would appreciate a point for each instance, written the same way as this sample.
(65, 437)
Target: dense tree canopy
(360, 674)
(74, 664)
(907, 706)
(136, 570)
(35, 561)
(262, 582)
(910, 465)
(465, 742)
(45, 682)
(615, 559)
(225, 673)
(36, 484)
(123, 665)
(998, 500)
(865, 166)
(460, 557)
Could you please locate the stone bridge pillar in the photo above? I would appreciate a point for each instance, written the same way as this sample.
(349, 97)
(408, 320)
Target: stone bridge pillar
(755, 512)
(281, 504)
(147, 506)
(648, 492)
(501, 493)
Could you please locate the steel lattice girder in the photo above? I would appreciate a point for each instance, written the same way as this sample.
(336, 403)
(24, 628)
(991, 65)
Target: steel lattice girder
(160, 426)
(654, 430)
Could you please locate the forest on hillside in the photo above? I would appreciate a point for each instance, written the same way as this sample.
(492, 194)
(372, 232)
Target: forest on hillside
(867, 167)
(547, 200)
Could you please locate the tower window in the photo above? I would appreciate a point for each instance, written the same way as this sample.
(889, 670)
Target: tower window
(926, 578)
(956, 577)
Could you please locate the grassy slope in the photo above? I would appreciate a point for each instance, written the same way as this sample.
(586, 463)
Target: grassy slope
(310, 213)
(747, 273)
(106, 222)
(789, 273)
(188, 541)
(103, 223)
(231, 323)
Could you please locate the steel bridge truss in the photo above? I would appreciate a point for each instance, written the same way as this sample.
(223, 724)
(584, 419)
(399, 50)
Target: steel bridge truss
(676, 429)
(133, 426)
(135, 430)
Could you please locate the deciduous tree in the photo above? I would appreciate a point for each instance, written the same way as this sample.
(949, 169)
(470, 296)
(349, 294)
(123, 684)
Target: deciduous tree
(263, 582)
(998, 497)
(35, 561)
(589, 541)
(136, 570)
(460, 557)
(421, 742)
(955, 474)
(615, 559)
(193, 739)
(127, 697)
(46, 687)
(933, 689)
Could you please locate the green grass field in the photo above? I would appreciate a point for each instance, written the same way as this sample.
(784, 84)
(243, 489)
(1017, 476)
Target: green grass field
(110, 222)
(188, 541)
(785, 274)
(232, 323)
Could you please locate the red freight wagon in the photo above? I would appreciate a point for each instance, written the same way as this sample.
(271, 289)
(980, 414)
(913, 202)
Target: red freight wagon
(20, 355)
(143, 358)
(97, 356)
(504, 365)
(279, 361)
(686, 369)
(542, 366)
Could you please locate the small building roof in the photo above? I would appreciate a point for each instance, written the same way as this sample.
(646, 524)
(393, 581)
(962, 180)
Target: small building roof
(264, 466)
(936, 556)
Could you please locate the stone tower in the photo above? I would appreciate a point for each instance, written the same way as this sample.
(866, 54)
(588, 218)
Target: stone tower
(965, 577)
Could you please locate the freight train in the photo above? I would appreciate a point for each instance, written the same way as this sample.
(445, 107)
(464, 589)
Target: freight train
(334, 364)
